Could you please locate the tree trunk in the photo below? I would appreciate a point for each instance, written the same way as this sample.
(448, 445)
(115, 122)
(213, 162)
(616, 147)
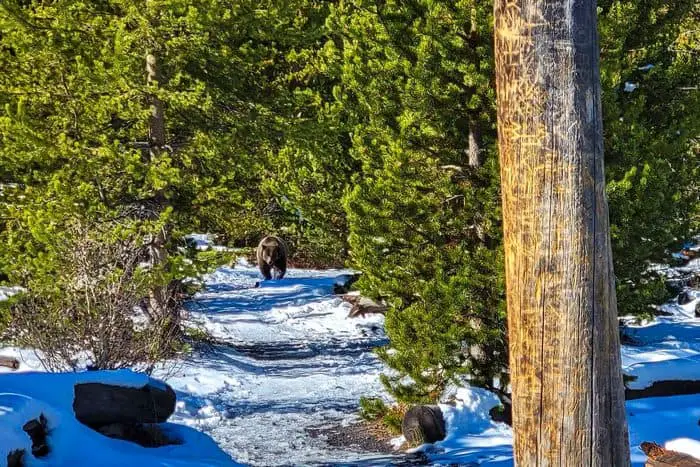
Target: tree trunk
(158, 297)
(568, 395)
(156, 130)
(474, 144)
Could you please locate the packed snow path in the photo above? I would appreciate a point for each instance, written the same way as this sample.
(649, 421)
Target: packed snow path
(289, 358)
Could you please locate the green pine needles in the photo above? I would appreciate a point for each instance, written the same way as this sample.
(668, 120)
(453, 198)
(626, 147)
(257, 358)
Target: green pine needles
(361, 131)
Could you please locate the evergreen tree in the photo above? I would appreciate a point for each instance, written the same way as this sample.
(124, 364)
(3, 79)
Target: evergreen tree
(80, 135)
(362, 126)
(416, 78)
(311, 170)
(651, 119)
(424, 210)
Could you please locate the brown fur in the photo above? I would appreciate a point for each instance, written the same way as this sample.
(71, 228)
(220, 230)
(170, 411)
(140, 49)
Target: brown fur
(271, 255)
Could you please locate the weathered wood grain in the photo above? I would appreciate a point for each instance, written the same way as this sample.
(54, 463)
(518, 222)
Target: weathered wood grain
(568, 396)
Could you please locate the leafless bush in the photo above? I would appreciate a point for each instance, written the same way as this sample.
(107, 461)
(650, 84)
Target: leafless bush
(99, 309)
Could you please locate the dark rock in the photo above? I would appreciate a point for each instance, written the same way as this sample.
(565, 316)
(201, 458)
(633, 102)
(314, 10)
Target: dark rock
(684, 298)
(37, 431)
(502, 413)
(697, 310)
(660, 312)
(97, 404)
(146, 435)
(15, 458)
(423, 424)
(114, 430)
(343, 284)
(664, 388)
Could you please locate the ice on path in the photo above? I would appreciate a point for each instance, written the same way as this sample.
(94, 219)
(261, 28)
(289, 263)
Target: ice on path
(288, 358)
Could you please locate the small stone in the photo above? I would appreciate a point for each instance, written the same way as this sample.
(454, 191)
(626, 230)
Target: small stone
(37, 431)
(684, 298)
(16, 458)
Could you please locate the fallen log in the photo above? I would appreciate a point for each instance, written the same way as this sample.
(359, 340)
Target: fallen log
(9, 362)
(664, 389)
(362, 306)
(662, 457)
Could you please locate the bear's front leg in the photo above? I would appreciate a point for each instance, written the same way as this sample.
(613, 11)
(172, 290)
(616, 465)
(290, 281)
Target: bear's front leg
(265, 270)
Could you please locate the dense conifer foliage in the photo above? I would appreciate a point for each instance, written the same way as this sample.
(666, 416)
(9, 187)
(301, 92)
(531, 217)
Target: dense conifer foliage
(363, 132)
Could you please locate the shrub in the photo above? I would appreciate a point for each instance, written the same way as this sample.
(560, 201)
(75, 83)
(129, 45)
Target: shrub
(99, 308)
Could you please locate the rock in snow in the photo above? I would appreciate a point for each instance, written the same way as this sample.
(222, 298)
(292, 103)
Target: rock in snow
(98, 404)
(423, 424)
(36, 417)
(685, 297)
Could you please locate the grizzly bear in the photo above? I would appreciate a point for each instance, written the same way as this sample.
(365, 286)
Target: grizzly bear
(272, 255)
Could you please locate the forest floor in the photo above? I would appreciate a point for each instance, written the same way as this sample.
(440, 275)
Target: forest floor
(281, 383)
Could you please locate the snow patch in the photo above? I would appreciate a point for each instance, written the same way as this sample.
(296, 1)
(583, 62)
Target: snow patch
(8, 291)
(26, 396)
(685, 446)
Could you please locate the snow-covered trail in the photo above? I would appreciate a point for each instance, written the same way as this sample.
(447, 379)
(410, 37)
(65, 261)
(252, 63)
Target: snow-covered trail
(289, 359)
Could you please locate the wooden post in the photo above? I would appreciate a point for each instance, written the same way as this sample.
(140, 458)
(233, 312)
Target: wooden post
(568, 397)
